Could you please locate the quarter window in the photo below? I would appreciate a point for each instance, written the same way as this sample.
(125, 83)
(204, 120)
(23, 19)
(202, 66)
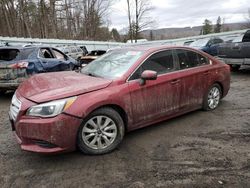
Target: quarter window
(161, 62)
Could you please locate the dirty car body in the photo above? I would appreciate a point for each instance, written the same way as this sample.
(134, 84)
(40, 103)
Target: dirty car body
(19, 63)
(123, 90)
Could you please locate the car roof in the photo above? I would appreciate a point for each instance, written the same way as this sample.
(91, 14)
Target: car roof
(150, 48)
(21, 47)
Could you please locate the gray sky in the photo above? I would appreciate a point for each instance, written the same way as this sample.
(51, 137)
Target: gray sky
(181, 13)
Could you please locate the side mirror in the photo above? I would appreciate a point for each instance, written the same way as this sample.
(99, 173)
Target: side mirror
(148, 75)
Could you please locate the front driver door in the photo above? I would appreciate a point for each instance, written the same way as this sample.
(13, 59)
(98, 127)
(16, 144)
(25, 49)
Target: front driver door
(157, 98)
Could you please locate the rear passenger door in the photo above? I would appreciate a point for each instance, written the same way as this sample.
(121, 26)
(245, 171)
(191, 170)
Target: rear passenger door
(194, 78)
(157, 98)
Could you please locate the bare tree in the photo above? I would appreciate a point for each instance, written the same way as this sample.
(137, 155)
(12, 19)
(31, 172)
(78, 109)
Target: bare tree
(68, 19)
(139, 17)
(247, 17)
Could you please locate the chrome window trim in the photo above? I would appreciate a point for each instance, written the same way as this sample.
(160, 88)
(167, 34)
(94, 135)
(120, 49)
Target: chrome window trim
(180, 70)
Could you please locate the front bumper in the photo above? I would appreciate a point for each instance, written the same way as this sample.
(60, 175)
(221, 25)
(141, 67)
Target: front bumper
(47, 135)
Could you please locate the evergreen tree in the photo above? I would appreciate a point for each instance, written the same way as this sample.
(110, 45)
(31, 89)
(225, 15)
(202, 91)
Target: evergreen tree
(115, 35)
(207, 27)
(218, 25)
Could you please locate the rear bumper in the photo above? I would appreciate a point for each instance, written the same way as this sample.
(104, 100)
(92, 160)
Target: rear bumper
(11, 84)
(5, 85)
(232, 61)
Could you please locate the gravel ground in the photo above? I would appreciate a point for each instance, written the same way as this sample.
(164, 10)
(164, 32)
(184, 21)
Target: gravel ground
(199, 149)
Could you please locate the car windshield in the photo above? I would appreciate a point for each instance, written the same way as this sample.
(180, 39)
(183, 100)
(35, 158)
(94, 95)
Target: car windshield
(113, 64)
(200, 43)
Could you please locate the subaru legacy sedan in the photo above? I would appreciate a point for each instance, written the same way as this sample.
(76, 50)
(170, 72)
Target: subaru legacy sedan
(123, 90)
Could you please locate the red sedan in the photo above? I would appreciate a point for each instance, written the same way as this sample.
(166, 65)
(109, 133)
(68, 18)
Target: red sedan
(123, 90)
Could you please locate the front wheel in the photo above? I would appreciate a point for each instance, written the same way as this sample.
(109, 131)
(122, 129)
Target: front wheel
(212, 98)
(2, 92)
(101, 132)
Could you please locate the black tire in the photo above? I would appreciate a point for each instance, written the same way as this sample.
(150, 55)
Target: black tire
(2, 92)
(118, 122)
(206, 105)
(234, 68)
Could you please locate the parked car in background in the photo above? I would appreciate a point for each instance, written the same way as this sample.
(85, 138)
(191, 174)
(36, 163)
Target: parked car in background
(236, 53)
(123, 90)
(73, 51)
(208, 45)
(84, 49)
(18, 63)
(187, 43)
(91, 56)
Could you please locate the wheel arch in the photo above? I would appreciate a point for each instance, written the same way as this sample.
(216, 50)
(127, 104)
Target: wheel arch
(221, 87)
(117, 108)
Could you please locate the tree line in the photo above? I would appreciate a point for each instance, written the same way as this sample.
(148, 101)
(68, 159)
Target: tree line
(63, 19)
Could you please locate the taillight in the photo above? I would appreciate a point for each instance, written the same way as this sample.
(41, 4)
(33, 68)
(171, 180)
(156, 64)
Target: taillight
(19, 65)
(228, 67)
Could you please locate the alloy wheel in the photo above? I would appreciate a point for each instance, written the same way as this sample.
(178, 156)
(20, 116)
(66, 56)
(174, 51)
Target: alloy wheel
(213, 97)
(99, 132)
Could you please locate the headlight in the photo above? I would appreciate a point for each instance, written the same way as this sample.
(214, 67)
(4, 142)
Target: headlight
(50, 109)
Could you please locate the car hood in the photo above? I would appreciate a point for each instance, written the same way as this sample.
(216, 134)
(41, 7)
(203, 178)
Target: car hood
(51, 86)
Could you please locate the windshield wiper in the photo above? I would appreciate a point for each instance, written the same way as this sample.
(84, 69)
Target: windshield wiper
(91, 74)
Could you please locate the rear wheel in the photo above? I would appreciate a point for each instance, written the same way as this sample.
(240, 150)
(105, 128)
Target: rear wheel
(2, 92)
(212, 98)
(101, 132)
(234, 68)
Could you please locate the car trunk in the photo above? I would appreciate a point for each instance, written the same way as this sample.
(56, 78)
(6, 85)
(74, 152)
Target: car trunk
(10, 72)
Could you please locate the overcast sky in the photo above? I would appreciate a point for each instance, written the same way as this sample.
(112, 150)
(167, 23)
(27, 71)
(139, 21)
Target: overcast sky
(183, 13)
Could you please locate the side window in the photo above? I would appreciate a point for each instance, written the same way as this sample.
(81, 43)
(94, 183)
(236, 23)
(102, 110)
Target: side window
(161, 62)
(58, 55)
(45, 53)
(183, 59)
(218, 41)
(188, 59)
(73, 50)
(79, 50)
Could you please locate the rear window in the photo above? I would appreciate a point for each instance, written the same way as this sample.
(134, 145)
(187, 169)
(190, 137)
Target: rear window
(8, 54)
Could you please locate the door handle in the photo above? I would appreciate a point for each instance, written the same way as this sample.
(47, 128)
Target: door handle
(206, 73)
(175, 82)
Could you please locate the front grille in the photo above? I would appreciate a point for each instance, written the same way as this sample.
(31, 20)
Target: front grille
(44, 144)
(15, 107)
